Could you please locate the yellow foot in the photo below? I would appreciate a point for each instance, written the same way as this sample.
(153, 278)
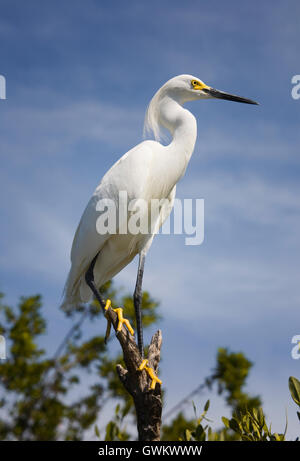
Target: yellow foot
(150, 371)
(121, 320)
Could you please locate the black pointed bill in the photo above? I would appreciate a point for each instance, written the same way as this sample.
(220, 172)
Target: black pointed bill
(229, 97)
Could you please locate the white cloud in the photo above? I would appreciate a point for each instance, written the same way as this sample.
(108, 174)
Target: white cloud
(41, 131)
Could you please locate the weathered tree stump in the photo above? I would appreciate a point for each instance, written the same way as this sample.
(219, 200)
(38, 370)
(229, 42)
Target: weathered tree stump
(148, 402)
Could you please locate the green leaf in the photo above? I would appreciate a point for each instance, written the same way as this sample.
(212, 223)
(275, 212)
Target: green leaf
(97, 431)
(286, 424)
(206, 406)
(261, 417)
(194, 408)
(110, 432)
(199, 432)
(294, 386)
(188, 435)
(255, 413)
(234, 425)
(125, 410)
(225, 422)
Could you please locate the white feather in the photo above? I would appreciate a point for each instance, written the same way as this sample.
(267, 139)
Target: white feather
(148, 171)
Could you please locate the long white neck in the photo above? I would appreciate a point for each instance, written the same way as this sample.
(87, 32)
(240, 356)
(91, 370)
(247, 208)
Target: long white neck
(181, 124)
(166, 110)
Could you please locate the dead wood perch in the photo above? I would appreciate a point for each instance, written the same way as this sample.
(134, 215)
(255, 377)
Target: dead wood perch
(147, 401)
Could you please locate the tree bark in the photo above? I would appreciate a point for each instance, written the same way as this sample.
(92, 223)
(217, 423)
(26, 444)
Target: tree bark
(148, 402)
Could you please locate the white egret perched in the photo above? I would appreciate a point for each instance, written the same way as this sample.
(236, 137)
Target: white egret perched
(149, 171)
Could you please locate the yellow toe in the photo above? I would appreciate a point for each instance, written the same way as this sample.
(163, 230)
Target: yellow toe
(119, 312)
(143, 364)
(121, 320)
(150, 371)
(108, 304)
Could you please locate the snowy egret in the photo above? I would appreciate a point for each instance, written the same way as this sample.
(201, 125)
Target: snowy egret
(149, 171)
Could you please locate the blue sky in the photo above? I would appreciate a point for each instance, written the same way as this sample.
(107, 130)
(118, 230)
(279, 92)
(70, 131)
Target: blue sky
(79, 77)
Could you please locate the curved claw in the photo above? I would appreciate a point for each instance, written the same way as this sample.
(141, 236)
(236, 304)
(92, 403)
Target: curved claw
(150, 371)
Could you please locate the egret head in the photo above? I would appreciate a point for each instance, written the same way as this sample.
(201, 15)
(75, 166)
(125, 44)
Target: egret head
(181, 89)
(189, 88)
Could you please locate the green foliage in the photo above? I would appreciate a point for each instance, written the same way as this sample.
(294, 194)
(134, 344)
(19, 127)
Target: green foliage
(247, 422)
(230, 375)
(203, 431)
(248, 425)
(251, 426)
(149, 307)
(37, 401)
(178, 426)
(35, 387)
(115, 429)
(294, 386)
(199, 434)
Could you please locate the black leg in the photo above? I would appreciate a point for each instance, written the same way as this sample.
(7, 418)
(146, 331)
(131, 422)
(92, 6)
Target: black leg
(137, 299)
(89, 278)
